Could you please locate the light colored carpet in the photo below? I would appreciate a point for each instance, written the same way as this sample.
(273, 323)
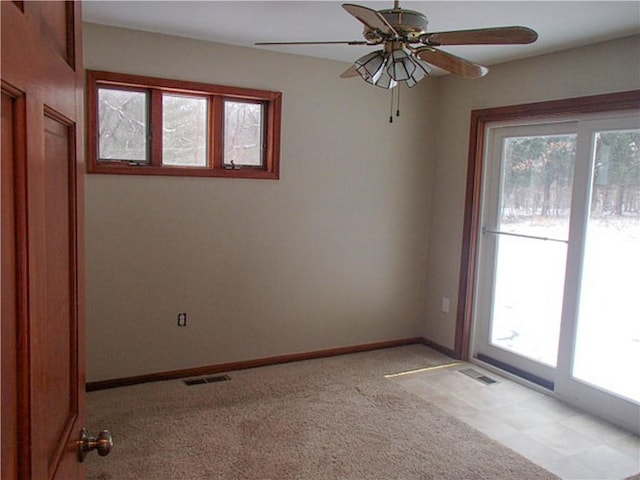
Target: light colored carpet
(333, 418)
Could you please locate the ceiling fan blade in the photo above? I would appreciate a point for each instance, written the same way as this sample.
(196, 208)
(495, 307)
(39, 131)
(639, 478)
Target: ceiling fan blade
(338, 42)
(370, 18)
(451, 63)
(350, 72)
(482, 36)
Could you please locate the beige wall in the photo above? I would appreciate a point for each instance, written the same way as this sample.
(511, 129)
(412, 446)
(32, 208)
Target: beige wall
(603, 68)
(346, 248)
(332, 254)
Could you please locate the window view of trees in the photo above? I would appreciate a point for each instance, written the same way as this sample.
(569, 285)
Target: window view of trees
(154, 126)
(123, 129)
(616, 186)
(122, 122)
(537, 179)
(609, 302)
(538, 175)
(536, 189)
(184, 130)
(243, 134)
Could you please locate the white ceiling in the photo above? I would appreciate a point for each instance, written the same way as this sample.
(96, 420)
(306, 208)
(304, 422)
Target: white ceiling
(560, 25)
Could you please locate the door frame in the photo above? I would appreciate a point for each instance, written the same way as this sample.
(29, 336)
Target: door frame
(477, 163)
(620, 101)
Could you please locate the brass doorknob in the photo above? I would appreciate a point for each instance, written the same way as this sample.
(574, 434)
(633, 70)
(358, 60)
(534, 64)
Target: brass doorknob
(102, 443)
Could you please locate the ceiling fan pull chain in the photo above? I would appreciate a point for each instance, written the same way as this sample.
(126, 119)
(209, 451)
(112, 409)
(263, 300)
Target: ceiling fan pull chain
(398, 104)
(391, 108)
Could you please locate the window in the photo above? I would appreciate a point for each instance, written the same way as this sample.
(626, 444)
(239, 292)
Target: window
(623, 101)
(150, 126)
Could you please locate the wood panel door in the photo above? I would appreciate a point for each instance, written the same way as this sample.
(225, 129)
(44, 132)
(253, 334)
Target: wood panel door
(43, 364)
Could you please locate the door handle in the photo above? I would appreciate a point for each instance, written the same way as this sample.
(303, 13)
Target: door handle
(103, 443)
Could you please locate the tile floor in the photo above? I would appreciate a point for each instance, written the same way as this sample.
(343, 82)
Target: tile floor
(565, 441)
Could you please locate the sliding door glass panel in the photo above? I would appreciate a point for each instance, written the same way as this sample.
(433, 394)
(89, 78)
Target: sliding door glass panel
(528, 297)
(608, 334)
(532, 231)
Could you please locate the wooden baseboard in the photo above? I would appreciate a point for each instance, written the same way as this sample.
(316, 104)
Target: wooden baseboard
(260, 362)
(436, 346)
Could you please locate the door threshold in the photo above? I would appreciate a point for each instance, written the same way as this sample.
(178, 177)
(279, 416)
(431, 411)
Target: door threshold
(529, 377)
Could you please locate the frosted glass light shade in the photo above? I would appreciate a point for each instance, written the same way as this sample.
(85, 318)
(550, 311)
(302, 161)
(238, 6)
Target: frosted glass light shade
(386, 69)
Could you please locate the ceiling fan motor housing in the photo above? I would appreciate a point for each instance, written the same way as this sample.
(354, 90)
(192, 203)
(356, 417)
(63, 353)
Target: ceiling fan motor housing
(408, 23)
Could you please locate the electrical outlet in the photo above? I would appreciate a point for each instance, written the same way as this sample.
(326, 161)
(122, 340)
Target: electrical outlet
(445, 304)
(182, 319)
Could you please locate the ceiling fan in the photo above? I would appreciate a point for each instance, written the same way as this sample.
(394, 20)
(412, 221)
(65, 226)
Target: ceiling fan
(408, 50)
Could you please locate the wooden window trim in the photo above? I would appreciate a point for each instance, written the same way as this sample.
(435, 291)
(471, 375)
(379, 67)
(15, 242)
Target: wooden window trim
(475, 168)
(216, 94)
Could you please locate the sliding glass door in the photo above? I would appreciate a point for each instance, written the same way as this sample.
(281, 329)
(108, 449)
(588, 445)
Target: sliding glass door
(558, 295)
(525, 232)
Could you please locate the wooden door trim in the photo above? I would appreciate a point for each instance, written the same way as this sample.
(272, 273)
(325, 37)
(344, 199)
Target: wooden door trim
(23, 353)
(618, 101)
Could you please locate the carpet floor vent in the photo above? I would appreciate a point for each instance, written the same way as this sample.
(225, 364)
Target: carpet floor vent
(201, 380)
(476, 375)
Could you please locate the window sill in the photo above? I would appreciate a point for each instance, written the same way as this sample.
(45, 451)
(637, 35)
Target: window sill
(128, 169)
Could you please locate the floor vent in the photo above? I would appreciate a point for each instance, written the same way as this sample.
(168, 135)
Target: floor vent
(200, 381)
(470, 372)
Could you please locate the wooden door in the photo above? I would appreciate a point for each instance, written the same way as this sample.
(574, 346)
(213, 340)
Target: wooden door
(43, 373)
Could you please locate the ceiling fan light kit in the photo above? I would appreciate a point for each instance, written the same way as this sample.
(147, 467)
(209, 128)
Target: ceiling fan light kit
(386, 68)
